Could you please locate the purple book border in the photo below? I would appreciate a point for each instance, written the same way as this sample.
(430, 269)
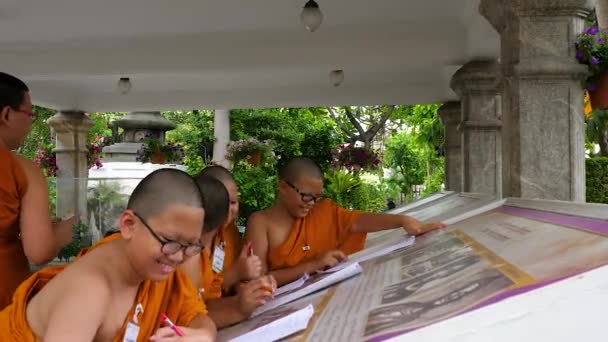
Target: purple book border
(570, 221)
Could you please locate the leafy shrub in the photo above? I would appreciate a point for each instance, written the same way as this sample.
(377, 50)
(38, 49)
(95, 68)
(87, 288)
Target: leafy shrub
(597, 179)
(257, 187)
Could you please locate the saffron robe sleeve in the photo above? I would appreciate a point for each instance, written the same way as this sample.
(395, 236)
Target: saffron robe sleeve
(325, 228)
(14, 266)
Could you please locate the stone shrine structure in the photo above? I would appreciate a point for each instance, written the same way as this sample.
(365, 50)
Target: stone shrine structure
(136, 127)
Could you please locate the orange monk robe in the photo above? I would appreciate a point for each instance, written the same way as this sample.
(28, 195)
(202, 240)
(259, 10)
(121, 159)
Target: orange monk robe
(211, 281)
(325, 228)
(14, 266)
(233, 243)
(175, 296)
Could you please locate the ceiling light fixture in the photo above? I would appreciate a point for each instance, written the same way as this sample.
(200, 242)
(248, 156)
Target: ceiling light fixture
(336, 77)
(124, 85)
(311, 16)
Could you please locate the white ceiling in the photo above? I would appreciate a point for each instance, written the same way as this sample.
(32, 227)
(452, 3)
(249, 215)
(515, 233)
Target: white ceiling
(185, 54)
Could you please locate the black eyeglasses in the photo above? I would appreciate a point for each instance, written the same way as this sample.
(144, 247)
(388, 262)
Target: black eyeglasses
(169, 247)
(32, 115)
(306, 198)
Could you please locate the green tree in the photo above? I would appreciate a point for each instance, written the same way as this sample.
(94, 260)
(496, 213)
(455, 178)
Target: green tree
(194, 132)
(361, 123)
(407, 162)
(427, 137)
(293, 131)
(40, 133)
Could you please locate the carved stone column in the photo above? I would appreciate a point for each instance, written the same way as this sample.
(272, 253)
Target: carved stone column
(450, 114)
(71, 129)
(543, 138)
(477, 84)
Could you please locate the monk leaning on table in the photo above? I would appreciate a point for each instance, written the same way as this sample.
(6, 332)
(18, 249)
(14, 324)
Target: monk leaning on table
(303, 233)
(27, 233)
(222, 265)
(118, 289)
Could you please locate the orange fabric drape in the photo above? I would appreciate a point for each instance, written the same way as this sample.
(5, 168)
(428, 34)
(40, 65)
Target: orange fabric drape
(14, 266)
(325, 228)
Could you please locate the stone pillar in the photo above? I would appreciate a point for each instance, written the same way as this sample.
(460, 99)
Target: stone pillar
(450, 114)
(543, 150)
(477, 84)
(71, 128)
(221, 130)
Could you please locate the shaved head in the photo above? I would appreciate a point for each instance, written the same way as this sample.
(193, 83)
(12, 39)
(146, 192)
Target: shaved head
(299, 167)
(215, 200)
(218, 172)
(164, 188)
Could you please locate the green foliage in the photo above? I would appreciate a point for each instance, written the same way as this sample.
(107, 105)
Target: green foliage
(172, 153)
(341, 187)
(195, 165)
(597, 125)
(597, 179)
(101, 126)
(195, 133)
(40, 133)
(80, 239)
(351, 192)
(406, 161)
(246, 148)
(369, 198)
(105, 201)
(592, 50)
(52, 186)
(320, 136)
(434, 180)
(257, 187)
(293, 132)
(424, 141)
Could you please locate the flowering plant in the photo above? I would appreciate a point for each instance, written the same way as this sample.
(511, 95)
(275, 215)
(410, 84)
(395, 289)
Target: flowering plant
(592, 50)
(153, 148)
(246, 148)
(94, 154)
(355, 158)
(46, 157)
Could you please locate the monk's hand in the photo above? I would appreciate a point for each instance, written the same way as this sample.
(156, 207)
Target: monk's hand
(329, 260)
(248, 264)
(255, 293)
(63, 230)
(415, 227)
(166, 334)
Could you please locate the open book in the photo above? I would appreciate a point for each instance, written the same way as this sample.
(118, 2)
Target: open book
(272, 325)
(312, 284)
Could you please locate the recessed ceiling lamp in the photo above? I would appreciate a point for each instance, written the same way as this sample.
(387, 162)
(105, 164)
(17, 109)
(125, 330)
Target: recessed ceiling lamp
(311, 16)
(124, 85)
(336, 77)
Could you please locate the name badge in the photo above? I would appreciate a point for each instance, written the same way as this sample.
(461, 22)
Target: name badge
(131, 333)
(218, 259)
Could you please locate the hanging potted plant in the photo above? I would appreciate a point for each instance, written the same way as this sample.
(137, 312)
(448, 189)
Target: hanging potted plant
(592, 50)
(251, 150)
(153, 151)
(355, 159)
(46, 157)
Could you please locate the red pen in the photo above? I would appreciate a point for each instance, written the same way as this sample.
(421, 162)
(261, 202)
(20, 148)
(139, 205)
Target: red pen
(167, 321)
